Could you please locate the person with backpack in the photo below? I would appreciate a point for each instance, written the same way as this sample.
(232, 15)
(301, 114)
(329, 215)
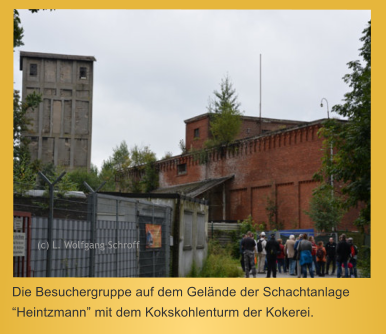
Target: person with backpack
(261, 253)
(353, 258)
(320, 259)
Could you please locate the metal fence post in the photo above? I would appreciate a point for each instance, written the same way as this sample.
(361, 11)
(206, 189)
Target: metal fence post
(138, 234)
(116, 237)
(50, 219)
(152, 221)
(94, 212)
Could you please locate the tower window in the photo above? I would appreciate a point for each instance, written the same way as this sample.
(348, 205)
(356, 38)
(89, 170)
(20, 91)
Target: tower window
(197, 133)
(33, 70)
(82, 73)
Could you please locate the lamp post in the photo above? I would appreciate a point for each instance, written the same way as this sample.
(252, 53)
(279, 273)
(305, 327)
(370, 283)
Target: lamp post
(331, 150)
(321, 104)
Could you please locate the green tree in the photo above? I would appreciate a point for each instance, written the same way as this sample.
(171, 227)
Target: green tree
(225, 98)
(143, 161)
(121, 156)
(24, 176)
(107, 174)
(325, 209)
(21, 122)
(132, 170)
(225, 116)
(350, 165)
(79, 175)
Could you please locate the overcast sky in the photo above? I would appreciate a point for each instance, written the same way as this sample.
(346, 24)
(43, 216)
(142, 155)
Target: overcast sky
(156, 68)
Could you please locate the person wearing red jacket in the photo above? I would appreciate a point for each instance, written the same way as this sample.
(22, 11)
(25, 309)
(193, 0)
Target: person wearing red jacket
(320, 259)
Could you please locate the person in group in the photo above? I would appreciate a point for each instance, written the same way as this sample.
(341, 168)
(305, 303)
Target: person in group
(280, 257)
(297, 255)
(313, 253)
(261, 253)
(272, 249)
(343, 251)
(331, 255)
(242, 253)
(249, 255)
(253, 238)
(353, 258)
(290, 252)
(320, 259)
(305, 249)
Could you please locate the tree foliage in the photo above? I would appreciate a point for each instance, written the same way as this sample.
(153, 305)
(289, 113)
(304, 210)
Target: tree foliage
(21, 122)
(225, 116)
(350, 164)
(80, 175)
(325, 209)
(133, 170)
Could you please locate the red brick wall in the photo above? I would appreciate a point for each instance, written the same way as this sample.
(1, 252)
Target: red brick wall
(279, 165)
(203, 126)
(259, 203)
(250, 127)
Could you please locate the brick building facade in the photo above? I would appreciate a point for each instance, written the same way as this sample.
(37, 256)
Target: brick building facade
(276, 164)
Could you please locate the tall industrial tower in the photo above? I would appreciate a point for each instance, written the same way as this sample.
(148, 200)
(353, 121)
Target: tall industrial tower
(60, 129)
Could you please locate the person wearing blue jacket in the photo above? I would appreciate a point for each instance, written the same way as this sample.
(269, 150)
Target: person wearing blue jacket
(305, 259)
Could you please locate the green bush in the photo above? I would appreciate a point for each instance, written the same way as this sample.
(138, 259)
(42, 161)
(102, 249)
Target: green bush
(219, 263)
(364, 262)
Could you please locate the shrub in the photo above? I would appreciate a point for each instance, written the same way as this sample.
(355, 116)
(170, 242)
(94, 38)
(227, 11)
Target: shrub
(219, 263)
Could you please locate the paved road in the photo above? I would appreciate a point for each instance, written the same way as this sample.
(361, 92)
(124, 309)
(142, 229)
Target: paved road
(286, 275)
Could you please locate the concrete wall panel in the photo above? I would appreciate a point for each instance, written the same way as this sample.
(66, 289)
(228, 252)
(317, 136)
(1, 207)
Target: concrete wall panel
(49, 70)
(64, 147)
(56, 117)
(46, 116)
(82, 117)
(65, 71)
(67, 117)
(48, 145)
(80, 152)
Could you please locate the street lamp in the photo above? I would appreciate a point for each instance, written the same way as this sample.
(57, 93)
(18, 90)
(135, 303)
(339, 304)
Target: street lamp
(321, 104)
(331, 150)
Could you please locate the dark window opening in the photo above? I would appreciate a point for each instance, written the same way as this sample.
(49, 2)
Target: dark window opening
(196, 133)
(83, 73)
(181, 169)
(33, 70)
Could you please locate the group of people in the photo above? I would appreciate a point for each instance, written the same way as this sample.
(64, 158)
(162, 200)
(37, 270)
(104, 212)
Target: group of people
(298, 256)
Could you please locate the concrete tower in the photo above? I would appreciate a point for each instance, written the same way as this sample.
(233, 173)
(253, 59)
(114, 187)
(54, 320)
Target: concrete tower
(61, 128)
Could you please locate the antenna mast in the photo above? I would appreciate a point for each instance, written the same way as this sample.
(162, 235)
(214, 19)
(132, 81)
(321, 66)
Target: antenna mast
(260, 97)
